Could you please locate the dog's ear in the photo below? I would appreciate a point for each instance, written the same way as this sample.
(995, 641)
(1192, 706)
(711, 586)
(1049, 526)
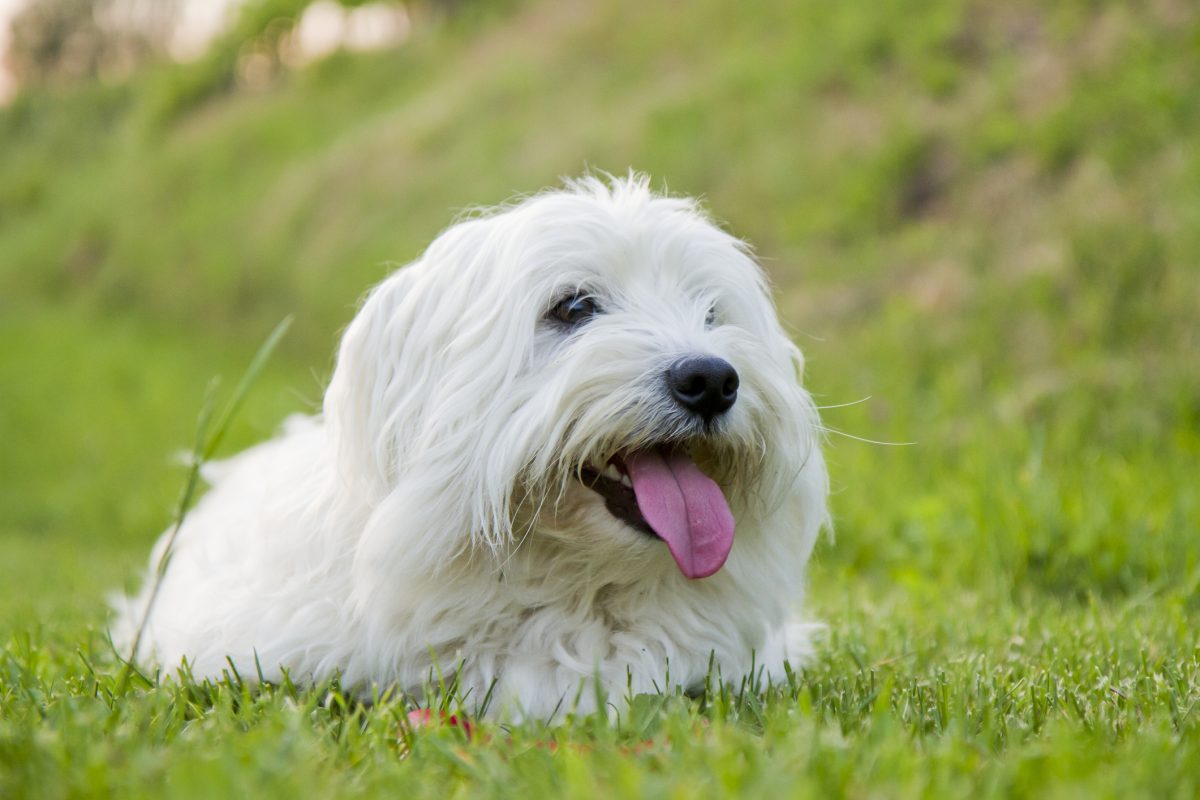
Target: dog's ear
(423, 390)
(417, 361)
(355, 402)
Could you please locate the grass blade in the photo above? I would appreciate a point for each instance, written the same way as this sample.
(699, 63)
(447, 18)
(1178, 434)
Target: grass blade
(203, 449)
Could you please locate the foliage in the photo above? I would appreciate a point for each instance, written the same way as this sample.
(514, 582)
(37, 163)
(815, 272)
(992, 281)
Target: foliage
(56, 41)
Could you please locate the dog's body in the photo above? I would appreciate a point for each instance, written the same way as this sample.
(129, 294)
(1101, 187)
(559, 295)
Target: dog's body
(532, 455)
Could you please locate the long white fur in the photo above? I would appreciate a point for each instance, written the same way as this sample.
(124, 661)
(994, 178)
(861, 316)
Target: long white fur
(433, 511)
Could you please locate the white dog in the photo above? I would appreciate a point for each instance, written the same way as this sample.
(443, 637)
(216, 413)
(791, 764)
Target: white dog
(569, 442)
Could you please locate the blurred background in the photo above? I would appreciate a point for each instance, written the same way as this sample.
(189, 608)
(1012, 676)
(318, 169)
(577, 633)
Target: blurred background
(982, 221)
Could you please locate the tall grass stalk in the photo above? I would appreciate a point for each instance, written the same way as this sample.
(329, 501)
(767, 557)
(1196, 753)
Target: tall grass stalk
(203, 448)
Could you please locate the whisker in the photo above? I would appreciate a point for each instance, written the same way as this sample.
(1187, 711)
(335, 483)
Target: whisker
(864, 439)
(844, 405)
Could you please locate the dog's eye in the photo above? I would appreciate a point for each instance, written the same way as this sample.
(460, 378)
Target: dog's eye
(575, 310)
(710, 319)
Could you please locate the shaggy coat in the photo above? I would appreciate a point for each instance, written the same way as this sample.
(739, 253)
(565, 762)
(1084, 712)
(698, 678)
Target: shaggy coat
(444, 510)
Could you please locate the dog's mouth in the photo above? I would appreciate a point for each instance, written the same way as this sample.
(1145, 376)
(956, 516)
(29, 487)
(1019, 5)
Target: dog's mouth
(660, 491)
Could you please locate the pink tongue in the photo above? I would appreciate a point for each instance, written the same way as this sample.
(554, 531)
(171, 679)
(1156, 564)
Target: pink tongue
(685, 508)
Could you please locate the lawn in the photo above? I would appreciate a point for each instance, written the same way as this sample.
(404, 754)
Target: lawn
(983, 227)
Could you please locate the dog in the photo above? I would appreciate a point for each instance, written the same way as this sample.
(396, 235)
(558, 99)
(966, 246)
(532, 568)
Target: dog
(568, 444)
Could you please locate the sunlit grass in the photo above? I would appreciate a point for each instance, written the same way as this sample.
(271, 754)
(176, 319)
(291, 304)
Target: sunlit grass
(985, 220)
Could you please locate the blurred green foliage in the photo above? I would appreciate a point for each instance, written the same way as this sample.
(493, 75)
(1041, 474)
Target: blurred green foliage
(258, 27)
(64, 41)
(983, 217)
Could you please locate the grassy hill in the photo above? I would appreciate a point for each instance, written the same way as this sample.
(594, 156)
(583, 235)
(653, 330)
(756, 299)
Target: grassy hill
(985, 218)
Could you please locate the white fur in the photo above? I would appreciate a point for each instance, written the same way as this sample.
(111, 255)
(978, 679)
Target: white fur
(433, 511)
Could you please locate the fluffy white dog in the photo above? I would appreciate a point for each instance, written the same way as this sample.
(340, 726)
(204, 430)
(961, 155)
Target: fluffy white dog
(569, 442)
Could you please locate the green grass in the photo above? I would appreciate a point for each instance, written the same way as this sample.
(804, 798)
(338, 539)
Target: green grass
(984, 219)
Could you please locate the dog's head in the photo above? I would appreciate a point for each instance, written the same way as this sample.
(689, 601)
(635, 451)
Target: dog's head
(596, 365)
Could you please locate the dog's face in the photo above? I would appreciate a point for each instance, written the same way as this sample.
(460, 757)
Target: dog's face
(598, 367)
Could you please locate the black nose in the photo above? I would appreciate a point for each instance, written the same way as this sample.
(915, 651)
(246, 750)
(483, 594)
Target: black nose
(703, 384)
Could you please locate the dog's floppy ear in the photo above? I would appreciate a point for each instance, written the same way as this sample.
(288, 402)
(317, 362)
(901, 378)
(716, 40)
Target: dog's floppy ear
(355, 402)
(423, 388)
(419, 336)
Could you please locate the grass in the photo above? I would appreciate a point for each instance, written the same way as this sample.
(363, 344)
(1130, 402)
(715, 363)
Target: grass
(985, 220)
